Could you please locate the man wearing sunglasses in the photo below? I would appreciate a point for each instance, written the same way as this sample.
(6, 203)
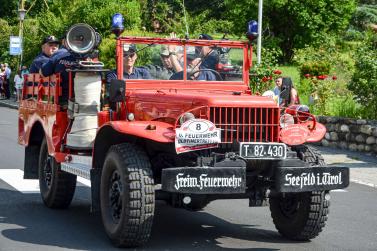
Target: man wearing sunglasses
(50, 45)
(129, 59)
(129, 70)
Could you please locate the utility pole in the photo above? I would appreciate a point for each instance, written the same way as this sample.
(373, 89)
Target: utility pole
(260, 14)
(21, 12)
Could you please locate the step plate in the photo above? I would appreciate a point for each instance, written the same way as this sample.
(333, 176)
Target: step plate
(78, 169)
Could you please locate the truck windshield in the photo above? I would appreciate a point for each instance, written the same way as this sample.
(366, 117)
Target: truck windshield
(166, 62)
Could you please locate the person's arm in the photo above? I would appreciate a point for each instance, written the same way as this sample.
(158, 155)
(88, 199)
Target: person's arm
(293, 97)
(48, 68)
(33, 67)
(177, 67)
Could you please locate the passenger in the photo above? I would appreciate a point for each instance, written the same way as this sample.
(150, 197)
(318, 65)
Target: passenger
(292, 98)
(163, 71)
(50, 45)
(129, 70)
(276, 90)
(210, 57)
(195, 70)
(62, 60)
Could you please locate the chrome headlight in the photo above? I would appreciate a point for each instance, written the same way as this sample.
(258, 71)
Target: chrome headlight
(186, 117)
(286, 119)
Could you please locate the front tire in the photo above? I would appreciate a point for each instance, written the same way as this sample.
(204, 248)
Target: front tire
(57, 187)
(127, 195)
(301, 216)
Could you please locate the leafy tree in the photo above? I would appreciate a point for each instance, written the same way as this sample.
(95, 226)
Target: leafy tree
(295, 23)
(364, 15)
(8, 8)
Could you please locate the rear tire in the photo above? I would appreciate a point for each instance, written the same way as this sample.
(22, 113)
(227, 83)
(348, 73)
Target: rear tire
(301, 216)
(57, 187)
(127, 195)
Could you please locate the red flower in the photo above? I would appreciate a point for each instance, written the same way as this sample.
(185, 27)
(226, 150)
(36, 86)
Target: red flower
(270, 78)
(264, 79)
(321, 77)
(307, 75)
(277, 72)
(334, 77)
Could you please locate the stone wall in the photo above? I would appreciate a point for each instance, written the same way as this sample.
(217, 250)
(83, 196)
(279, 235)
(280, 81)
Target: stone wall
(353, 134)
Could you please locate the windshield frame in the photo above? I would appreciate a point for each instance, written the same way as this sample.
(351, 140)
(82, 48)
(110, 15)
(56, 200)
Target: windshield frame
(244, 45)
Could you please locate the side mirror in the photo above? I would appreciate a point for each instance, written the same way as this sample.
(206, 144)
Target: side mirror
(117, 91)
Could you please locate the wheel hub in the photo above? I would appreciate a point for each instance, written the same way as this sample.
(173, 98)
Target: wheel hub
(289, 205)
(115, 195)
(47, 170)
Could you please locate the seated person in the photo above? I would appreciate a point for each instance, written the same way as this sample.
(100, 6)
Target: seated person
(209, 56)
(129, 70)
(194, 69)
(59, 62)
(50, 45)
(292, 97)
(165, 70)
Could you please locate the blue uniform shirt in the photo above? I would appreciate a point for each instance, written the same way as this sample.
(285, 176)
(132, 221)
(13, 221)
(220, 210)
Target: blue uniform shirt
(58, 63)
(37, 63)
(211, 60)
(137, 73)
(203, 75)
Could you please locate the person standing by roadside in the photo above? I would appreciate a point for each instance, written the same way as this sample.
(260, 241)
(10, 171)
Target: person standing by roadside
(50, 45)
(24, 70)
(2, 79)
(8, 72)
(18, 84)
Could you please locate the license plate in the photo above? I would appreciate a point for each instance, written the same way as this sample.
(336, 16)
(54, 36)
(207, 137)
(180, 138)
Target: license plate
(263, 150)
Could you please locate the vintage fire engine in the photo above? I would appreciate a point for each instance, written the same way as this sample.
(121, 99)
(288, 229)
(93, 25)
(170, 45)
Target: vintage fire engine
(186, 141)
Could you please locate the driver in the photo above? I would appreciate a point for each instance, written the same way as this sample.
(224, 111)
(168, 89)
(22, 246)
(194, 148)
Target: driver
(194, 69)
(210, 56)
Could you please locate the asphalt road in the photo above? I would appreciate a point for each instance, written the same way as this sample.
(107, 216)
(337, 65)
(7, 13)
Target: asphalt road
(25, 224)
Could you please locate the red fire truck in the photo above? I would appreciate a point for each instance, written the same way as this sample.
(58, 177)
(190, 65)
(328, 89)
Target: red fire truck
(187, 140)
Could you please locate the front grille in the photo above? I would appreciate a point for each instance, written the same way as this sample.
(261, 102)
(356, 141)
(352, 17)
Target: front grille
(239, 124)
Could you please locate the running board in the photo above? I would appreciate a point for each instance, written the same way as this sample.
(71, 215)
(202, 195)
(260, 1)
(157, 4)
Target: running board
(78, 165)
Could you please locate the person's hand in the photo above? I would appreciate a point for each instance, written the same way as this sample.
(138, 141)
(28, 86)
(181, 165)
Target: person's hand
(173, 35)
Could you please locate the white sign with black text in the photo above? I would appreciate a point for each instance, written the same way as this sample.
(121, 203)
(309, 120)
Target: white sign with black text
(196, 134)
(203, 181)
(311, 179)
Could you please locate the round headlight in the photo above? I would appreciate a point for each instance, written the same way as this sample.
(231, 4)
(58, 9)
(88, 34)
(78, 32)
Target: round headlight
(286, 119)
(186, 117)
(81, 38)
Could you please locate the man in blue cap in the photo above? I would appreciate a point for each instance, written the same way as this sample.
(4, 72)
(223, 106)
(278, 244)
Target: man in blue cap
(209, 56)
(50, 45)
(129, 70)
(62, 60)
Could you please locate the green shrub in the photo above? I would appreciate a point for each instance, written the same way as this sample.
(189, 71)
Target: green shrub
(315, 68)
(262, 78)
(364, 80)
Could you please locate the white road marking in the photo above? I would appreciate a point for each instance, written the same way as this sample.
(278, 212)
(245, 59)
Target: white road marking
(84, 181)
(364, 183)
(339, 190)
(15, 178)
